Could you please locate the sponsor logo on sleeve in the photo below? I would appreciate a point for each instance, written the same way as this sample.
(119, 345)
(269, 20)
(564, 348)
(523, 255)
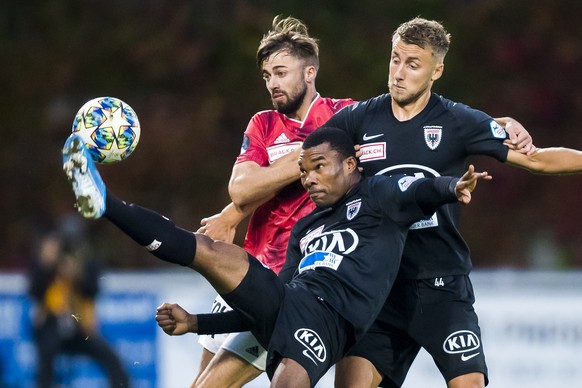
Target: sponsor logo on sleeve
(405, 182)
(153, 245)
(245, 144)
(497, 130)
(314, 347)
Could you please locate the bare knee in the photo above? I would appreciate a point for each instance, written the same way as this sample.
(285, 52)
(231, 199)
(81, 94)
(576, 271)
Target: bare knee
(356, 372)
(470, 380)
(290, 374)
(226, 369)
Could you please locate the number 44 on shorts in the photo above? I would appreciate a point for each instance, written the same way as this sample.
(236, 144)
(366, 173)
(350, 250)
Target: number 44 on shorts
(438, 282)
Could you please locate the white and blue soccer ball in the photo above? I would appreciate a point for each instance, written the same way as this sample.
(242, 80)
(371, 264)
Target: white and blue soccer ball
(109, 127)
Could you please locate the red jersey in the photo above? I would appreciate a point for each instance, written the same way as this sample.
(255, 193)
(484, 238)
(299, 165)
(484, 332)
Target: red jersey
(270, 135)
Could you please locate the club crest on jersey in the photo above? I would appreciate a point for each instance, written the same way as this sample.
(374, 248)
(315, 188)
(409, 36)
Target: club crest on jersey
(433, 135)
(315, 349)
(497, 130)
(353, 208)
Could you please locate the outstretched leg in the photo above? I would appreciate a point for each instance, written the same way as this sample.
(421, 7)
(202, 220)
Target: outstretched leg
(223, 265)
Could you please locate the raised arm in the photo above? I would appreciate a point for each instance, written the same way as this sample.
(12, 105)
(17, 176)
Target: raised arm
(551, 161)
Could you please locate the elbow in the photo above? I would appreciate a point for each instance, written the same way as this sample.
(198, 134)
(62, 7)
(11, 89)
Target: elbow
(238, 196)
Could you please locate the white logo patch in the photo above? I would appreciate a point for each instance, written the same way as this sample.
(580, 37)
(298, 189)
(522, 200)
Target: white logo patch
(370, 137)
(462, 341)
(153, 245)
(405, 182)
(433, 135)
(373, 151)
(310, 236)
(315, 349)
(497, 130)
(277, 151)
(282, 138)
(353, 208)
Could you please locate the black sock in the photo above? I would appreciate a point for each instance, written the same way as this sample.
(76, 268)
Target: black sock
(151, 230)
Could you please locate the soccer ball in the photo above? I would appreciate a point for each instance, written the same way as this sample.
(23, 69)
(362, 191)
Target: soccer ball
(109, 127)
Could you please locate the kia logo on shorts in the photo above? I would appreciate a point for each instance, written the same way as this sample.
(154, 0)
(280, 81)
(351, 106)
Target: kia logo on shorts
(461, 341)
(315, 350)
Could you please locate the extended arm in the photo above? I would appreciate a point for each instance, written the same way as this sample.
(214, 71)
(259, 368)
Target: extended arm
(552, 161)
(174, 320)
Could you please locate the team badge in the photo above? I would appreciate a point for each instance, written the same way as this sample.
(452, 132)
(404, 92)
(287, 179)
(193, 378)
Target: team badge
(433, 135)
(353, 209)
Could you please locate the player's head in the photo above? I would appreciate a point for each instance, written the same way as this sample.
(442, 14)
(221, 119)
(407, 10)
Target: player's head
(328, 165)
(288, 59)
(419, 47)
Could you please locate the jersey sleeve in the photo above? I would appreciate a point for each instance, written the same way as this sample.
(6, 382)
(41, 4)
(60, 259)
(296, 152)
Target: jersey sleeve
(292, 259)
(345, 120)
(218, 323)
(254, 147)
(407, 199)
(480, 132)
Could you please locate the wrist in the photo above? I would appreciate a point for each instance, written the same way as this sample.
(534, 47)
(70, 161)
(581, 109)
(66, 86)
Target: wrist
(192, 322)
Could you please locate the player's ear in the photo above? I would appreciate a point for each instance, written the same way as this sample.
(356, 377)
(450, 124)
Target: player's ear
(350, 164)
(437, 72)
(310, 73)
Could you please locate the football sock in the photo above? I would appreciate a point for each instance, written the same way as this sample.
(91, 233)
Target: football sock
(151, 230)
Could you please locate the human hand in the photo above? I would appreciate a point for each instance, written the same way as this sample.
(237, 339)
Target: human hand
(468, 182)
(174, 320)
(359, 153)
(519, 138)
(217, 228)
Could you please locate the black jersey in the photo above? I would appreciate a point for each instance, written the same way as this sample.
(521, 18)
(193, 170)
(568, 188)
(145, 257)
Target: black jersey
(435, 142)
(336, 253)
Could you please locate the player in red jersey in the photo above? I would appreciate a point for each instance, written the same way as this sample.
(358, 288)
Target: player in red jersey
(265, 183)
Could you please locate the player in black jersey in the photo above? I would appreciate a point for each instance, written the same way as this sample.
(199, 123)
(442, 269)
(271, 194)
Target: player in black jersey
(338, 272)
(419, 133)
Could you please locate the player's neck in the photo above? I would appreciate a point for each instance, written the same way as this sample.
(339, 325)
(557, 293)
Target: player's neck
(301, 113)
(409, 111)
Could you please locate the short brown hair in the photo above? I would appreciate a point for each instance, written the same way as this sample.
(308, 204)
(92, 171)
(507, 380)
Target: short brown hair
(423, 33)
(289, 34)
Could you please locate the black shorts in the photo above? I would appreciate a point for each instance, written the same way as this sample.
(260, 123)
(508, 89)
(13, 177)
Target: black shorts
(258, 298)
(291, 322)
(436, 314)
(310, 332)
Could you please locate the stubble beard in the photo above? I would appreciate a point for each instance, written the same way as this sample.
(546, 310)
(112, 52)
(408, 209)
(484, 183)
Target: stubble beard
(408, 99)
(293, 102)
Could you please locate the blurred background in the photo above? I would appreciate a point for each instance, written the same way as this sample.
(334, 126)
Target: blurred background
(188, 69)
